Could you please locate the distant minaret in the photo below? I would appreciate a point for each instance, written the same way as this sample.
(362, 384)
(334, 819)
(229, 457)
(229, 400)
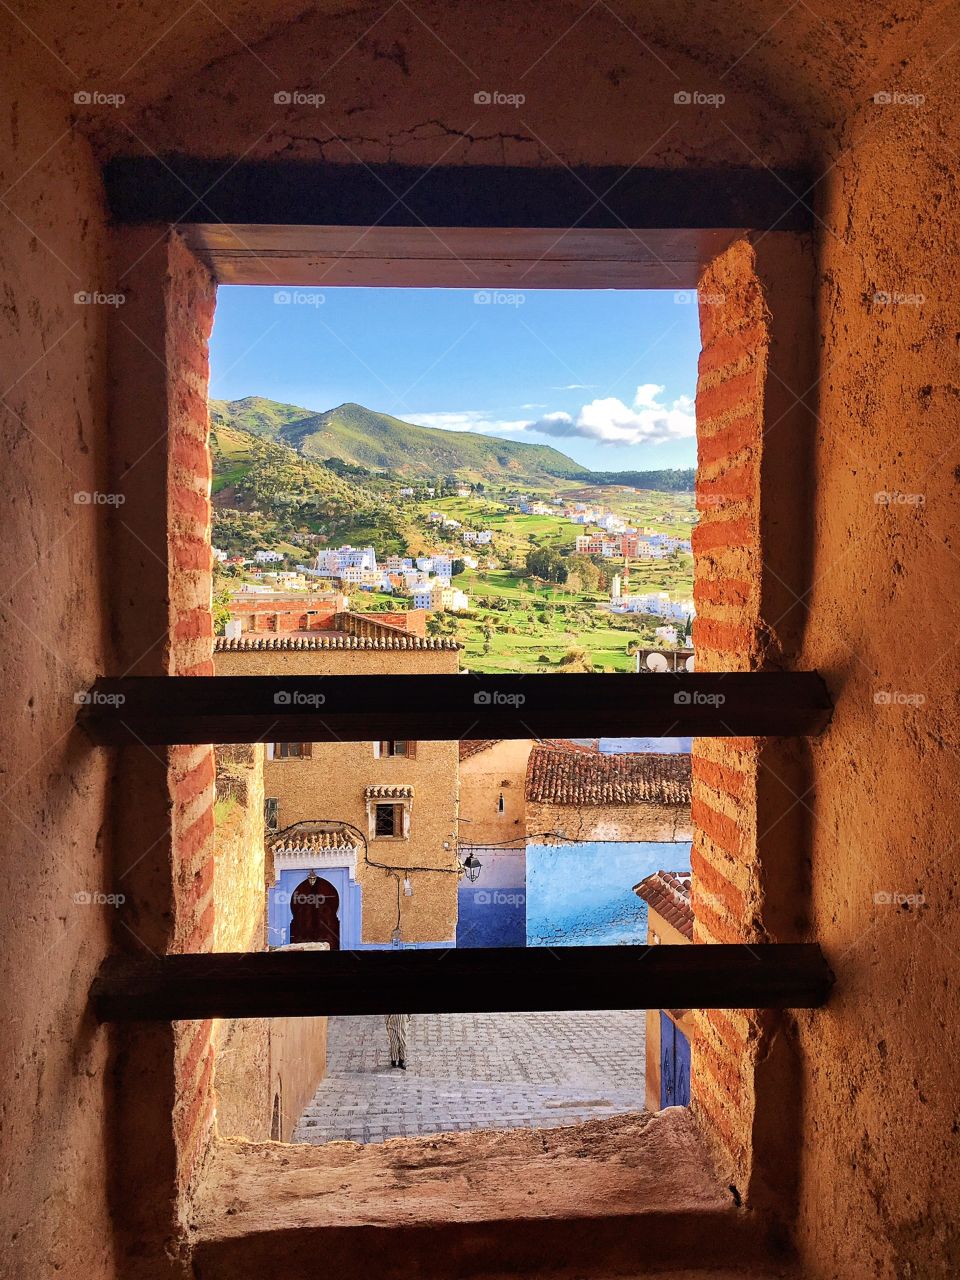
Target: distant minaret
(615, 593)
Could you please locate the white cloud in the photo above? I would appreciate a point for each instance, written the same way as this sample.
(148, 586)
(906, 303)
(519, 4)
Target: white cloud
(648, 420)
(479, 421)
(576, 386)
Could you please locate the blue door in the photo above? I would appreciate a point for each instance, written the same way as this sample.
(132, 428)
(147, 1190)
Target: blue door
(674, 1065)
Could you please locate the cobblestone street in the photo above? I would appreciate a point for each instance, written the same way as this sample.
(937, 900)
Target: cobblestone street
(477, 1071)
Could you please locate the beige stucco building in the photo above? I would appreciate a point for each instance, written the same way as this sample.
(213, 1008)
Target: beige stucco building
(376, 822)
(493, 791)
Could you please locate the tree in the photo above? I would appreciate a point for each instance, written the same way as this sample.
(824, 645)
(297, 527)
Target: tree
(586, 571)
(221, 610)
(457, 566)
(546, 563)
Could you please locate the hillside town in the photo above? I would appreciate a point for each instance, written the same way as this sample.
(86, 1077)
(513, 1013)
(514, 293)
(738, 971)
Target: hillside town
(425, 581)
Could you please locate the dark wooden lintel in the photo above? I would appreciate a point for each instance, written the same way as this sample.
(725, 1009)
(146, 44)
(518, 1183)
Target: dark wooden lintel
(189, 189)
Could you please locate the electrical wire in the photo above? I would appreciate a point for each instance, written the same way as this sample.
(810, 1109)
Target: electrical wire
(370, 862)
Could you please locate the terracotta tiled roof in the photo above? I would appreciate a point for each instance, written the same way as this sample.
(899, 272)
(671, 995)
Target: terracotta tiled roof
(329, 640)
(584, 777)
(474, 747)
(668, 893)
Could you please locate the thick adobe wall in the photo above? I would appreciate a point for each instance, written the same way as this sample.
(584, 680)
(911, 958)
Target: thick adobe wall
(753, 424)
(880, 1174)
(266, 1069)
(401, 87)
(163, 623)
(56, 915)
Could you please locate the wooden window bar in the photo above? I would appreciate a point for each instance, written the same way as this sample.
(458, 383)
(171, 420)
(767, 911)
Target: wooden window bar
(287, 984)
(155, 711)
(171, 710)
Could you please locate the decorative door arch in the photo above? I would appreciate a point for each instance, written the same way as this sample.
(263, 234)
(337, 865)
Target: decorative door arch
(315, 909)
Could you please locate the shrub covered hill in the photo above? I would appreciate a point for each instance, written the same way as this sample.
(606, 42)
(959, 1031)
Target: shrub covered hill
(283, 474)
(378, 442)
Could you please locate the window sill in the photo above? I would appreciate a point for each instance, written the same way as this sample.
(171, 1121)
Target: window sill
(593, 1196)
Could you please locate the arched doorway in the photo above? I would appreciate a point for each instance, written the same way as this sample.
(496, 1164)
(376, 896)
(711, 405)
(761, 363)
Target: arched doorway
(314, 907)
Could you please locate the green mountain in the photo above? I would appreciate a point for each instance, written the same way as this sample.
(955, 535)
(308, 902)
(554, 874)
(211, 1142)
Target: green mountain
(380, 442)
(254, 414)
(265, 494)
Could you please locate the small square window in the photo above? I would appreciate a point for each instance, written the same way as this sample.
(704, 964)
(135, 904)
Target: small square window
(292, 750)
(397, 747)
(388, 820)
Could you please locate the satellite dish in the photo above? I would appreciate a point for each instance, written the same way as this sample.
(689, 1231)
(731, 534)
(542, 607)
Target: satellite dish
(689, 663)
(656, 662)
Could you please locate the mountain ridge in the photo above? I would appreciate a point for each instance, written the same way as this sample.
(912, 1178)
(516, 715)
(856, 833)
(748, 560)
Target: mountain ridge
(380, 442)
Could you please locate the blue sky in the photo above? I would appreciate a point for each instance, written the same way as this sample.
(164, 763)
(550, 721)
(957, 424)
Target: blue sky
(606, 376)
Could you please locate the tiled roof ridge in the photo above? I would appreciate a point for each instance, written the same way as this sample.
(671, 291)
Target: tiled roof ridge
(470, 747)
(401, 641)
(568, 744)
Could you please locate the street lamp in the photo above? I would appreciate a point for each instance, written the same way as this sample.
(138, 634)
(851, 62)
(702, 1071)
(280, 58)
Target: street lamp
(472, 867)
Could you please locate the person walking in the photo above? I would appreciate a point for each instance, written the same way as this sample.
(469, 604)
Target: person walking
(397, 1027)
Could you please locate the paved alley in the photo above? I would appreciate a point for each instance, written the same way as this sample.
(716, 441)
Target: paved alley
(477, 1071)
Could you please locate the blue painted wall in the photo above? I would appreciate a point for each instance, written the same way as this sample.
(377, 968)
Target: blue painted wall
(492, 911)
(582, 894)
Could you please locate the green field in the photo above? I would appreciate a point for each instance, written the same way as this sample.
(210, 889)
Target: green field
(513, 624)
